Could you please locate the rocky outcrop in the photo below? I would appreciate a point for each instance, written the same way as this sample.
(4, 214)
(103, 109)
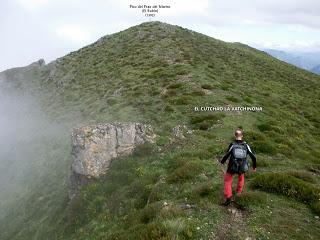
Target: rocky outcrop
(94, 147)
(39, 63)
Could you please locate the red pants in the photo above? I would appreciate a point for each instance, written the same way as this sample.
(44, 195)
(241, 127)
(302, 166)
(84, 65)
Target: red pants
(228, 184)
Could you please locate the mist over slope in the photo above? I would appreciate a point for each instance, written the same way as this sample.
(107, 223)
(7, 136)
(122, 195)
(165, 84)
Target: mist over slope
(157, 73)
(34, 153)
(21, 125)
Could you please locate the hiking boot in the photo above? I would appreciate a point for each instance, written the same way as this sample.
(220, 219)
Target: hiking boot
(227, 202)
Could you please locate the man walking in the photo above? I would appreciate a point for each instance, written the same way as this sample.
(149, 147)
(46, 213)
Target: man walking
(237, 153)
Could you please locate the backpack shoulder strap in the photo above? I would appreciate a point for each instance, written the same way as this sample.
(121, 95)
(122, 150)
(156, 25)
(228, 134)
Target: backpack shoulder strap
(230, 146)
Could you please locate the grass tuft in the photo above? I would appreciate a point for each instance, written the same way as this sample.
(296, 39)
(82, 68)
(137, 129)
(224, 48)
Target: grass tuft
(247, 199)
(187, 171)
(287, 185)
(303, 175)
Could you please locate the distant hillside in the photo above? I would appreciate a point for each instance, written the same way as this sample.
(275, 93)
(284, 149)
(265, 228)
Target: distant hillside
(156, 73)
(307, 61)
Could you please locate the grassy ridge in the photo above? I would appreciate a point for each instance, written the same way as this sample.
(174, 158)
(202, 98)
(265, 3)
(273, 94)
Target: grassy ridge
(157, 73)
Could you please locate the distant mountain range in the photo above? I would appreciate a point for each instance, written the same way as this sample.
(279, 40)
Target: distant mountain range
(316, 69)
(308, 61)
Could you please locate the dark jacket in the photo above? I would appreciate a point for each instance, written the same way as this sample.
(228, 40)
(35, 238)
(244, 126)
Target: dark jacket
(230, 154)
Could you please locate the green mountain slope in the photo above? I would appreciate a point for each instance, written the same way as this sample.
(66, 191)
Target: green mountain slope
(157, 73)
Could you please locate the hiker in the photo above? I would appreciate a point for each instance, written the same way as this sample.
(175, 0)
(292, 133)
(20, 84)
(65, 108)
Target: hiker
(238, 164)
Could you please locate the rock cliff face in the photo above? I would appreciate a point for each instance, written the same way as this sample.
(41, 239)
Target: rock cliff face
(94, 147)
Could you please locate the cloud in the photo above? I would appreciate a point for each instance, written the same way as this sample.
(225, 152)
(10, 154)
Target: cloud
(292, 12)
(180, 7)
(33, 4)
(294, 46)
(76, 34)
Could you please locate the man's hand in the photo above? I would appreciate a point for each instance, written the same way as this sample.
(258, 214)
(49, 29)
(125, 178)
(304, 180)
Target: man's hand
(254, 169)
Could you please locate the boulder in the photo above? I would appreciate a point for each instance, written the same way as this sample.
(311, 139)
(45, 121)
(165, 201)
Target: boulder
(95, 146)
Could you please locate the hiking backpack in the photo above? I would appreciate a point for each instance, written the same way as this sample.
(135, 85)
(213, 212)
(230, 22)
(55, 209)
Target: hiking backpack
(240, 163)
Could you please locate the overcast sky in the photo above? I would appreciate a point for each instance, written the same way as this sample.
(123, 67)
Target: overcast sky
(34, 29)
